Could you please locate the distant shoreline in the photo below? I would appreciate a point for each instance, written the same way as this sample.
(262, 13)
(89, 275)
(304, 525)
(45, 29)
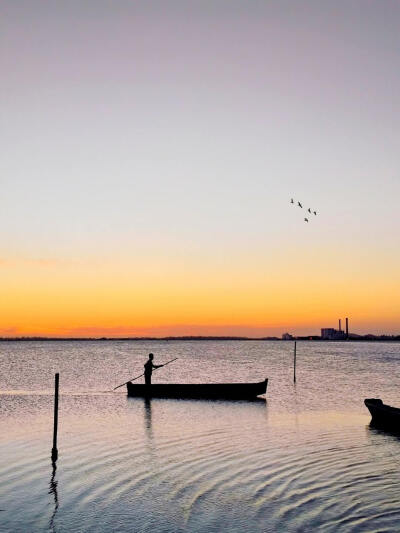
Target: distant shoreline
(355, 338)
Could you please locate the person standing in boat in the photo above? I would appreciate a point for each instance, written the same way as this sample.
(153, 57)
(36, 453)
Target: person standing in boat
(148, 369)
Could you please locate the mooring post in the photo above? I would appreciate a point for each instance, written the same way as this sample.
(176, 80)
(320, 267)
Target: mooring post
(54, 451)
(294, 362)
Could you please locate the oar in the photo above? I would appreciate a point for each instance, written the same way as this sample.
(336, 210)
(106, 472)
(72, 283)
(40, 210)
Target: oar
(137, 377)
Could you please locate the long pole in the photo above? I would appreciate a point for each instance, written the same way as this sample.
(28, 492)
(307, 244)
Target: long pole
(54, 451)
(294, 362)
(137, 377)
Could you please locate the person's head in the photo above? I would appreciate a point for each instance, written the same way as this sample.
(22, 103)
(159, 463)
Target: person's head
(151, 356)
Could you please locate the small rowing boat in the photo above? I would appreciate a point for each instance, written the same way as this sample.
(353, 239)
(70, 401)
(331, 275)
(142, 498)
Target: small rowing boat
(383, 415)
(207, 391)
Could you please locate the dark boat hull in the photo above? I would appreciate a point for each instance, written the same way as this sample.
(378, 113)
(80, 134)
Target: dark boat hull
(214, 391)
(383, 415)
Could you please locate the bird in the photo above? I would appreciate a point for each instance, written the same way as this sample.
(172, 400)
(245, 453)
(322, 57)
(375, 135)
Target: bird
(299, 204)
(309, 210)
(315, 213)
(291, 201)
(306, 219)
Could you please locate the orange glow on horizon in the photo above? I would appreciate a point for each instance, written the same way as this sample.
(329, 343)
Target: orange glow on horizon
(129, 299)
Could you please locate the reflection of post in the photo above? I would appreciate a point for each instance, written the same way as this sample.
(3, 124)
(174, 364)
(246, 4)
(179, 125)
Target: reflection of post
(54, 451)
(294, 362)
(53, 490)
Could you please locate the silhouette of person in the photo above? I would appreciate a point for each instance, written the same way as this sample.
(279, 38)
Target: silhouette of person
(148, 369)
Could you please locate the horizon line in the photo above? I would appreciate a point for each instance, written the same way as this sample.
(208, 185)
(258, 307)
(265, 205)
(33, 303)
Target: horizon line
(352, 337)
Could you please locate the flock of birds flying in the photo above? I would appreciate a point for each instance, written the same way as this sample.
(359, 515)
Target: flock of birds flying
(308, 210)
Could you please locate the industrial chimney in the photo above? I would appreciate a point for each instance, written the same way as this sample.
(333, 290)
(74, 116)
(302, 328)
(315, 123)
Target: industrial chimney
(347, 328)
(340, 324)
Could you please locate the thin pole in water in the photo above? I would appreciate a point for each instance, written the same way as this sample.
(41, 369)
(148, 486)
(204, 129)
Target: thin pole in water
(294, 362)
(54, 451)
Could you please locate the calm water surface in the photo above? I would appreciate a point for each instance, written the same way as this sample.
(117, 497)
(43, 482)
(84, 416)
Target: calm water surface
(304, 460)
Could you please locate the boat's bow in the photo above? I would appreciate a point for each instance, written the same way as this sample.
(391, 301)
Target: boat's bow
(383, 415)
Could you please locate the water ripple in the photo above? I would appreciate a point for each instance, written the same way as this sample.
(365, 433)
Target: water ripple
(178, 466)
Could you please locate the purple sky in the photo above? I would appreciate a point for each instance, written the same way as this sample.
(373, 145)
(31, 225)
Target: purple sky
(173, 130)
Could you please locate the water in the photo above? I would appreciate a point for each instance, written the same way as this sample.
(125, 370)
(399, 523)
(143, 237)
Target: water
(305, 460)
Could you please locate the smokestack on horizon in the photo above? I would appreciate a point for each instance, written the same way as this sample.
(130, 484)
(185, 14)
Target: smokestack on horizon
(347, 328)
(340, 324)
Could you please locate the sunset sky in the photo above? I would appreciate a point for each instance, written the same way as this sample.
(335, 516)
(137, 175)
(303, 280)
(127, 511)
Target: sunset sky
(150, 151)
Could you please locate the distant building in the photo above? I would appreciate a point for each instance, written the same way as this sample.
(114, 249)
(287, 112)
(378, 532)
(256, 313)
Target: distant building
(331, 334)
(287, 337)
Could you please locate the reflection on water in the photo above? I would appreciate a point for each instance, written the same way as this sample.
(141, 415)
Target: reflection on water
(148, 424)
(147, 415)
(377, 429)
(306, 460)
(53, 491)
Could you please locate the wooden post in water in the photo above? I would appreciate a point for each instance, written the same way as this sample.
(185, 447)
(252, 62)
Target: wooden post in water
(54, 451)
(294, 362)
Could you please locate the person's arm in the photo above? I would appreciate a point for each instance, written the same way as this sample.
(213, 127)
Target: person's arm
(157, 366)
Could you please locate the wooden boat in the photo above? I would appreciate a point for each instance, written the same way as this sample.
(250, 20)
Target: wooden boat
(209, 391)
(383, 415)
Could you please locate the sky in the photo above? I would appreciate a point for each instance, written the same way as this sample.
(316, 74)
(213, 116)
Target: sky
(150, 151)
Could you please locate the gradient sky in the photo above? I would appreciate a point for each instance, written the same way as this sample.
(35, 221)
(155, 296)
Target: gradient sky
(150, 151)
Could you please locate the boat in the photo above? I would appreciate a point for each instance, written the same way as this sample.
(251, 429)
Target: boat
(383, 415)
(206, 391)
